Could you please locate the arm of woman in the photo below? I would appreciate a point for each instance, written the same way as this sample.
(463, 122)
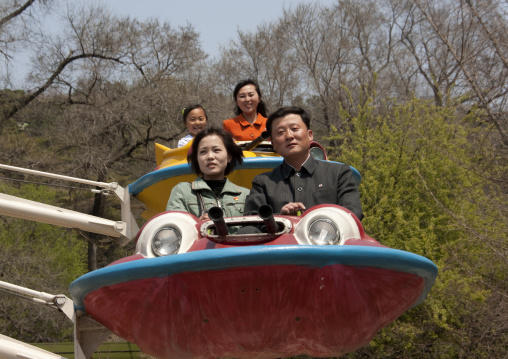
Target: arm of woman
(177, 201)
(225, 126)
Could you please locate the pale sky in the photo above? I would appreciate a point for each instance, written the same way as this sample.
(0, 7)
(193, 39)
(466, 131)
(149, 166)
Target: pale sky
(216, 21)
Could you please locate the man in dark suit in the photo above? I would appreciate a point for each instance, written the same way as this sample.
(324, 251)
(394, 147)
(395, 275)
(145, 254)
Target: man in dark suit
(300, 182)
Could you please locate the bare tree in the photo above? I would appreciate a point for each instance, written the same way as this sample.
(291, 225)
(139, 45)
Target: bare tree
(483, 64)
(432, 60)
(120, 85)
(114, 122)
(18, 29)
(265, 56)
(55, 56)
(318, 39)
(342, 52)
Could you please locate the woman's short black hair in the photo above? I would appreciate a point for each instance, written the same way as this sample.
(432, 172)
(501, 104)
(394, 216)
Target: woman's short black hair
(261, 105)
(283, 112)
(185, 111)
(232, 148)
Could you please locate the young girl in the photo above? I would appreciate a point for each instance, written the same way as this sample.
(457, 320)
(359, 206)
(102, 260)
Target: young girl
(214, 155)
(195, 120)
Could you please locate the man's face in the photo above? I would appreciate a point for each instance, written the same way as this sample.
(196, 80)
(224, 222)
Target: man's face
(291, 138)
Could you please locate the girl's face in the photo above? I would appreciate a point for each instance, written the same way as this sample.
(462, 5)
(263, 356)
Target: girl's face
(247, 99)
(195, 121)
(213, 157)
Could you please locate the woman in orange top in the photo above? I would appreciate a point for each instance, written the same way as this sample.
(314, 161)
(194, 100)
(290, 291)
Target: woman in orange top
(250, 110)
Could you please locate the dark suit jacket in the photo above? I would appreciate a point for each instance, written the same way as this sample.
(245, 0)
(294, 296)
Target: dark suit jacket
(318, 182)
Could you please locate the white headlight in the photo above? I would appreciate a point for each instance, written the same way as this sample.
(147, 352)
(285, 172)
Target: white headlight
(166, 241)
(324, 232)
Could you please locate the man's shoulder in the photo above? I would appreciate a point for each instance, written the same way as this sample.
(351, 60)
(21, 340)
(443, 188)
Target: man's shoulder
(331, 165)
(269, 175)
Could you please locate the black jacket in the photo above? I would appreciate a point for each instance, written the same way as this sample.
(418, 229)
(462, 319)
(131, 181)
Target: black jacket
(317, 182)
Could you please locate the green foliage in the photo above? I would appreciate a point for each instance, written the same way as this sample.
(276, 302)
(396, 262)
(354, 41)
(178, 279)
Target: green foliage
(61, 250)
(41, 257)
(421, 194)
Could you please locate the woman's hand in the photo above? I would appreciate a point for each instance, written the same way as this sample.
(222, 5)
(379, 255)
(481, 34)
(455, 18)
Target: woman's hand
(292, 209)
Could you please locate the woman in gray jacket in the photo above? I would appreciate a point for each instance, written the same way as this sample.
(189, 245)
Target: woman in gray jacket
(213, 155)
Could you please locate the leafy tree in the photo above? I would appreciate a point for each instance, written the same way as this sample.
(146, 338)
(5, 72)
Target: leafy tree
(421, 195)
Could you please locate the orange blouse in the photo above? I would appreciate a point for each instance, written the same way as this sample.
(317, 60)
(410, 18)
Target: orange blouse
(241, 130)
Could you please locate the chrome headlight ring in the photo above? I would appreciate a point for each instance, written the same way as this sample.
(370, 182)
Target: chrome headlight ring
(166, 241)
(166, 234)
(326, 226)
(324, 231)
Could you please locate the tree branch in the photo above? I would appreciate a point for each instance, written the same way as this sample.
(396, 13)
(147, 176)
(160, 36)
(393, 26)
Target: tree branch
(472, 82)
(29, 98)
(12, 15)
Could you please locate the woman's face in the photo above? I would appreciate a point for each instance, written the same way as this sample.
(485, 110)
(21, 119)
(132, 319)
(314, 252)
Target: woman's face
(195, 121)
(247, 99)
(213, 157)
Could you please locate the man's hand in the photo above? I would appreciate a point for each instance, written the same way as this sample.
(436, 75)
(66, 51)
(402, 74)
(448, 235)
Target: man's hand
(292, 209)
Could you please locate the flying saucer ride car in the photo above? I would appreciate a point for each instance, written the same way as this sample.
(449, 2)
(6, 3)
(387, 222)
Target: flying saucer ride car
(314, 284)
